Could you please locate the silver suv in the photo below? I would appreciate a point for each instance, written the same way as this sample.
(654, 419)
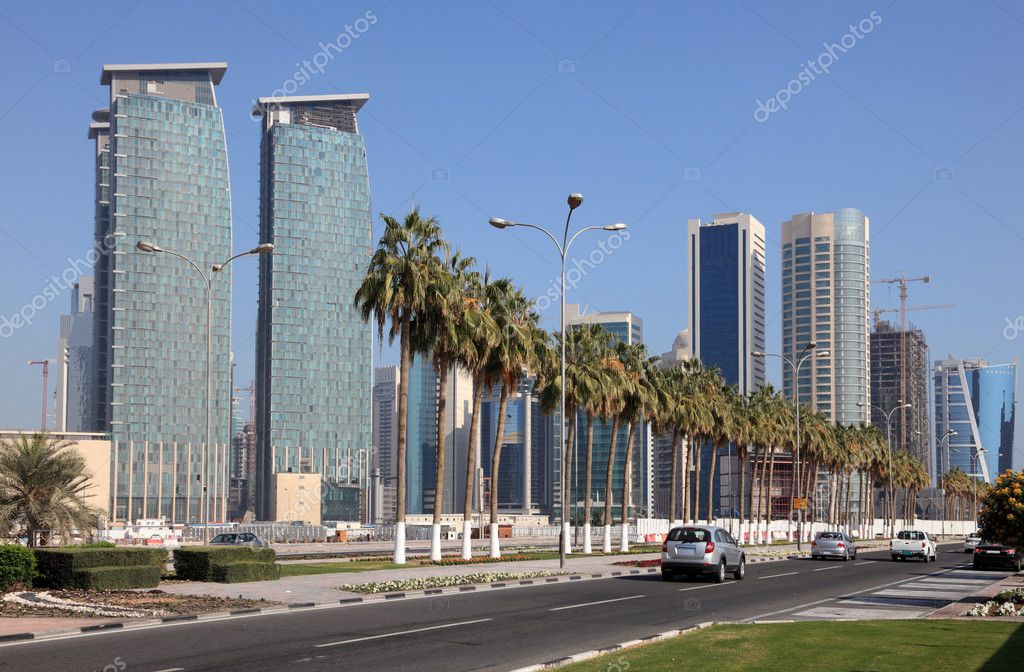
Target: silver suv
(701, 549)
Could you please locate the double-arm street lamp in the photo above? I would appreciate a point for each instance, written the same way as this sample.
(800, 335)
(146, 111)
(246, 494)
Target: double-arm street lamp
(262, 248)
(574, 201)
(945, 437)
(888, 441)
(804, 355)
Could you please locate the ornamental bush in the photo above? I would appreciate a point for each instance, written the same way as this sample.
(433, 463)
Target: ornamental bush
(198, 563)
(241, 572)
(17, 566)
(110, 578)
(1002, 513)
(63, 567)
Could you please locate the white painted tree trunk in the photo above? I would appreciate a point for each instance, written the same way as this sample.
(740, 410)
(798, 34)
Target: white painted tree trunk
(587, 550)
(435, 542)
(400, 543)
(567, 538)
(467, 540)
(495, 548)
(606, 545)
(624, 539)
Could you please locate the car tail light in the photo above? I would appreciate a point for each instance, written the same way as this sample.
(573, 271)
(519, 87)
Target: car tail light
(813, 544)
(664, 547)
(977, 549)
(709, 547)
(1011, 551)
(922, 546)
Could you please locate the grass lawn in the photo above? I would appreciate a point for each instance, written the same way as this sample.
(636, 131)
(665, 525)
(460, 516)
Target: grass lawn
(308, 568)
(827, 645)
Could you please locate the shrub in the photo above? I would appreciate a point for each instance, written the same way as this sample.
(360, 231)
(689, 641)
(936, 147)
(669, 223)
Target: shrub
(196, 563)
(58, 566)
(17, 566)
(107, 578)
(1002, 515)
(98, 544)
(241, 572)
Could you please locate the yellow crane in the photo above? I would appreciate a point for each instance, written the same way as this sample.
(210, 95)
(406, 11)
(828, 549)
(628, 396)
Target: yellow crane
(878, 312)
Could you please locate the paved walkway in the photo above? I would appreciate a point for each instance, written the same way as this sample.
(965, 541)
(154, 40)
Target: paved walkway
(11, 626)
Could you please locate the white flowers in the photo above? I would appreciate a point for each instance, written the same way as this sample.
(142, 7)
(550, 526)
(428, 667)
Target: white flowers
(439, 581)
(993, 608)
(43, 599)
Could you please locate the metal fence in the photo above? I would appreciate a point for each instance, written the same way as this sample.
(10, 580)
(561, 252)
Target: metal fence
(275, 533)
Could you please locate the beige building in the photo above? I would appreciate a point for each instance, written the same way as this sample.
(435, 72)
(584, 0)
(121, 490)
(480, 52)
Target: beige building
(295, 497)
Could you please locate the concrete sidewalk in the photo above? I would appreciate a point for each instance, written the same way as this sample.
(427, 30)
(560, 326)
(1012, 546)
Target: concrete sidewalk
(14, 626)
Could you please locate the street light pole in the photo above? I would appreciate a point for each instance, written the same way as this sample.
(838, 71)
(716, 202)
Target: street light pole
(574, 201)
(888, 440)
(804, 354)
(262, 248)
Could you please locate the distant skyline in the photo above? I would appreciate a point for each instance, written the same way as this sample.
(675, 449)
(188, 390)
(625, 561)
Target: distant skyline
(652, 110)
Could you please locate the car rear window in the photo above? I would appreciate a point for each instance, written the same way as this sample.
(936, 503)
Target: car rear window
(830, 535)
(224, 538)
(689, 535)
(911, 535)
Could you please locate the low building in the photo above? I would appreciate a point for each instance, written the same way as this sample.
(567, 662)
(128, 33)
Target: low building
(295, 497)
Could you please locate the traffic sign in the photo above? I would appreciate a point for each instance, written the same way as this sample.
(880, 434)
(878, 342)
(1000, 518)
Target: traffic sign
(799, 503)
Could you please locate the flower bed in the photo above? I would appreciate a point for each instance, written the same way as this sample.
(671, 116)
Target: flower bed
(428, 582)
(115, 603)
(653, 562)
(1007, 603)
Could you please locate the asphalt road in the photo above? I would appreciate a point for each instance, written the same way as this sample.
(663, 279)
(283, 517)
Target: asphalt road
(500, 629)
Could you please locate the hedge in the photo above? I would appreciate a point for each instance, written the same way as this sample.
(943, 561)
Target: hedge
(240, 572)
(107, 578)
(197, 563)
(17, 566)
(59, 567)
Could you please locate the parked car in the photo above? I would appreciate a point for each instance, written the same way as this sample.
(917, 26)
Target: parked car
(833, 545)
(996, 556)
(912, 544)
(701, 549)
(238, 539)
(971, 542)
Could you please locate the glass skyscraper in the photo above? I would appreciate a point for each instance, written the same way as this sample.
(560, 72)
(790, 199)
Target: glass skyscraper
(162, 176)
(313, 350)
(825, 299)
(975, 400)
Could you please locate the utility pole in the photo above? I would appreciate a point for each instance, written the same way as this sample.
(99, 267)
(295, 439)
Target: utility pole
(45, 363)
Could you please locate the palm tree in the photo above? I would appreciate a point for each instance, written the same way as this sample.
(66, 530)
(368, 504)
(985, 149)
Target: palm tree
(617, 387)
(642, 403)
(393, 292)
(513, 354)
(721, 432)
(43, 489)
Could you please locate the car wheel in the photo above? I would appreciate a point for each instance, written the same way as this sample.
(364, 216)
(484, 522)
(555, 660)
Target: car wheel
(741, 571)
(854, 556)
(719, 576)
(846, 557)
(666, 576)
(895, 558)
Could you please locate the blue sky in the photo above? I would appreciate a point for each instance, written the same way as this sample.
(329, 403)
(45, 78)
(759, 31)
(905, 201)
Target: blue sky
(480, 109)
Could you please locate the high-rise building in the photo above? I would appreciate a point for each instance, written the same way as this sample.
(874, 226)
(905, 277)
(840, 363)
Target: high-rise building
(75, 387)
(725, 269)
(384, 439)
(825, 300)
(628, 328)
(976, 400)
(313, 350)
(421, 439)
(162, 177)
(524, 477)
(911, 429)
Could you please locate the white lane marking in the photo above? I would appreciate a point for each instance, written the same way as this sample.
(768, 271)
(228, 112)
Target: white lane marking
(775, 576)
(591, 604)
(403, 632)
(710, 585)
(825, 569)
(866, 562)
(172, 669)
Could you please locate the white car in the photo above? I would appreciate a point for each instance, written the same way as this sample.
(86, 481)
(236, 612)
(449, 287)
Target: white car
(971, 542)
(912, 544)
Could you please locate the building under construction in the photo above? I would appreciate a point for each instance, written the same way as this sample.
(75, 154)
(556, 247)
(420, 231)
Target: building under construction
(910, 428)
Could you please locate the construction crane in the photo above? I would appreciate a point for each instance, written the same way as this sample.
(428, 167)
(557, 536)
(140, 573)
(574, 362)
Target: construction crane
(46, 377)
(879, 311)
(902, 281)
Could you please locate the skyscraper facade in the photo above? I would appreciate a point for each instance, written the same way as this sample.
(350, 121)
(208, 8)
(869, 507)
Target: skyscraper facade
(977, 401)
(384, 438)
(628, 328)
(825, 300)
(726, 272)
(162, 176)
(911, 428)
(313, 350)
(75, 407)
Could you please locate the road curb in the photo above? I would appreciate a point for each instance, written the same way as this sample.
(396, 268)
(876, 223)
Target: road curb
(622, 646)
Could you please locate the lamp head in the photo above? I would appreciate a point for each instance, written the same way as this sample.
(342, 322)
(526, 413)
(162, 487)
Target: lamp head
(263, 248)
(144, 246)
(823, 354)
(615, 227)
(811, 345)
(574, 200)
(499, 223)
(757, 353)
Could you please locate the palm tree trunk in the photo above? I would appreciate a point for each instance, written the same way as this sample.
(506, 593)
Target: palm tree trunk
(442, 407)
(607, 545)
(467, 502)
(849, 489)
(741, 455)
(587, 487)
(627, 487)
(711, 482)
(405, 361)
(567, 458)
(698, 451)
(687, 470)
(762, 492)
(768, 513)
(499, 438)
(673, 501)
